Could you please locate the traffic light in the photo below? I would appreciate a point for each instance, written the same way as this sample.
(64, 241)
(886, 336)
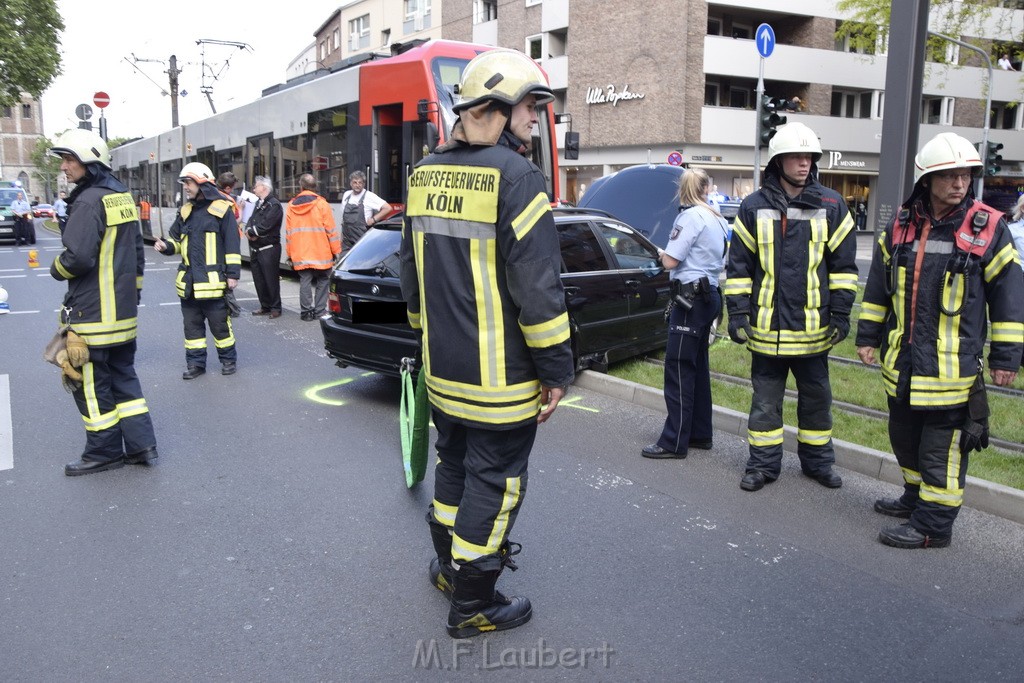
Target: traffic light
(769, 119)
(992, 158)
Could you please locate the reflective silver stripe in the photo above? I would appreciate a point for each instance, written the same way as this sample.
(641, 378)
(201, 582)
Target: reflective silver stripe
(453, 228)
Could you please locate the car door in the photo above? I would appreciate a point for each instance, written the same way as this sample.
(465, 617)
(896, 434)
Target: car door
(646, 282)
(594, 292)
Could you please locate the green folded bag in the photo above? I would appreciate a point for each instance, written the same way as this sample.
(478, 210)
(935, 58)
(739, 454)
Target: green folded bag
(414, 421)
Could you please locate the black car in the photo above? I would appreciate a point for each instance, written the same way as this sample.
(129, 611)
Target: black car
(615, 291)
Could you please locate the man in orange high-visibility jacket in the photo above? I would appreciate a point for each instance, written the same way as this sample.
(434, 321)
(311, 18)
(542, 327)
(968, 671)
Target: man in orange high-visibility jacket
(313, 243)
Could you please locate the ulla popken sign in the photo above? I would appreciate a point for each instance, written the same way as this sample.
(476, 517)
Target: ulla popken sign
(609, 95)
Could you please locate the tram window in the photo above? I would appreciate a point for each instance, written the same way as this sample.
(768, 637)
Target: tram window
(293, 159)
(335, 136)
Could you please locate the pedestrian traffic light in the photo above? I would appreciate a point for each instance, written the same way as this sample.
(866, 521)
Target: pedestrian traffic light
(769, 119)
(992, 158)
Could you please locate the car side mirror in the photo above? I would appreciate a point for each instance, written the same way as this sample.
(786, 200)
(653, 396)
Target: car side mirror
(572, 145)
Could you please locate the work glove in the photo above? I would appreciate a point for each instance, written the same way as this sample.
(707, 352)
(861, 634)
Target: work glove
(740, 323)
(973, 436)
(840, 328)
(67, 369)
(78, 350)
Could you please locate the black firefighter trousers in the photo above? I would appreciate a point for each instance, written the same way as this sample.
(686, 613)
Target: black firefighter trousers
(111, 403)
(926, 444)
(814, 413)
(196, 313)
(479, 484)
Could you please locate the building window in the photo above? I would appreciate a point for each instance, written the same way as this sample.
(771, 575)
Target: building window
(534, 47)
(740, 98)
(714, 26)
(711, 91)
(322, 50)
(937, 111)
(484, 11)
(8, 113)
(867, 42)
(1005, 116)
(742, 31)
(385, 37)
(26, 111)
(336, 38)
(359, 33)
(417, 16)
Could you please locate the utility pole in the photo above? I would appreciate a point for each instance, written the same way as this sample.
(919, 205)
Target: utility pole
(172, 74)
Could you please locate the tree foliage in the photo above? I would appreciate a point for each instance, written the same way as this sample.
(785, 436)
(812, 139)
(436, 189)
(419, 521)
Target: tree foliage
(29, 42)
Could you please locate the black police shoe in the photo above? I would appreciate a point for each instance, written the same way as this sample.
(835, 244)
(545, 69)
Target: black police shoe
(702, 444)
(894, 507)
(906, 536)
(827, 478)
(192, 372)
(656, 452)
(142, 457)
(228, 367)
(80, 467)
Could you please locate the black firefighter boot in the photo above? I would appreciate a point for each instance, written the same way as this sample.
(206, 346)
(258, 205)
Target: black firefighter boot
(478, 608)
(442, 576)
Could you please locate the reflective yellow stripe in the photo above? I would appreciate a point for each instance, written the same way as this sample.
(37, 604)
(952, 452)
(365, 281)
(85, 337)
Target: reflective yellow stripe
(236, 259)
(872, 312)
(934, 494)
(766, 257)
(815, 255)
(1004, 258)
(129, 408)
(529, 217)
(846, 281)
(466, 551)
(195, 343)
(543, 335)
(954, 289)
(489, 317)
(770, 438)
(211, 249)
(911, 476)
(845, 226)
(445, 514)
(814, 437)
(500, 414)
(738, 285)
(94, 420)
(741, 231)
(228, 340)
(414, 319)
(467, 193)
(1008, 332)
(64, 272)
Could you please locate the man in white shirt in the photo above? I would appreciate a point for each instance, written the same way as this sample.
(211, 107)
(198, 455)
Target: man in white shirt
(24, 231)
(361, 209)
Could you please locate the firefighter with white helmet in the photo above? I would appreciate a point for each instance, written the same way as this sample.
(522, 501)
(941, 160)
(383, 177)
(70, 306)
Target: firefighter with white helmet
(791, 283)
(944, 272)
(102, 262)
(495, 345)
(205, 232)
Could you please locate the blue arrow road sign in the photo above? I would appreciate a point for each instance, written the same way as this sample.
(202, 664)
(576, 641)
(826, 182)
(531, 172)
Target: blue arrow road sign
(764, 36)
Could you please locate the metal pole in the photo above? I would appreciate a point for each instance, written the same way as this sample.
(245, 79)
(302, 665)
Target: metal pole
(979, 187)
(758, 113)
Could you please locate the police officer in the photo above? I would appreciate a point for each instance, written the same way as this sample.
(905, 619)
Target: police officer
(205, 233)
(102, 262)
(695, 254)
(944, 259)
(791, 282)
(480, 268)
(264, 234)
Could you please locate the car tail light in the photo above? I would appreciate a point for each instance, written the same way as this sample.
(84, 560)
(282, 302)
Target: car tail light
(334, 303)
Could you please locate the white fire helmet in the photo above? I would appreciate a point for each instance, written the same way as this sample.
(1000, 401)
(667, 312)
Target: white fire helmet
(944, 151)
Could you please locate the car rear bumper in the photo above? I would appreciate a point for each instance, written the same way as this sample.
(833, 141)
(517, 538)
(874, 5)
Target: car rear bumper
(362, 347)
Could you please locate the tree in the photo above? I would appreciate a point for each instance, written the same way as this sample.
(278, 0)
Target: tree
(29, 58)
(47, 166)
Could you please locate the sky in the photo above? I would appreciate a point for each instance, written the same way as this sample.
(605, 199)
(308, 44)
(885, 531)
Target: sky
(99, 35)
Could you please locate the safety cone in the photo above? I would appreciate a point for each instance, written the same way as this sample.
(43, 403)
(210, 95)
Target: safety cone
(4, 306)
(33, 258)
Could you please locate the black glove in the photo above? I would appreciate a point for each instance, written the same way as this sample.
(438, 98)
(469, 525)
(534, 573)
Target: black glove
(973, 436)
(840, 328)
(740, 323)
(138, 296)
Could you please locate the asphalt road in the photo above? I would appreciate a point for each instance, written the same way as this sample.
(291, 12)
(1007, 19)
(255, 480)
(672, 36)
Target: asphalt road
(274, 539)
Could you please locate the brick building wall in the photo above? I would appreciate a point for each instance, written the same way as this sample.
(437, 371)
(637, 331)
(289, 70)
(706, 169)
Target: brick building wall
(18, 138)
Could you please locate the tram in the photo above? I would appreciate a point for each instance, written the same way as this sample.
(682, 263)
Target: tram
(379, 114)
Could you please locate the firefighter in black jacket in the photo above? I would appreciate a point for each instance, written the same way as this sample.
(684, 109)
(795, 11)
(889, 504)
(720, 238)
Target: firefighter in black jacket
(102, 261)
(205, 233)
(791, 282)
(480, 268)
(937, 267)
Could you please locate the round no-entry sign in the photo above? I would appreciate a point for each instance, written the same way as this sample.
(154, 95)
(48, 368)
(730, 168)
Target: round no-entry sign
(101, 99)
(319, 163)
(675, 159)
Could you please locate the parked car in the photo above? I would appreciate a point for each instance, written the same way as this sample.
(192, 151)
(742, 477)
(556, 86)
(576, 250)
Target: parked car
(615, 291)
(7, 197)
(44, 211)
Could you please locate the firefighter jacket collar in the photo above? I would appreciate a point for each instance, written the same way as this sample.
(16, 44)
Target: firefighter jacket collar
(99, 177)
(777, 197)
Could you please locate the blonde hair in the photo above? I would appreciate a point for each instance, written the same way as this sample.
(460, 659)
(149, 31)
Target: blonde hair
(1018, 209)
(693, 189)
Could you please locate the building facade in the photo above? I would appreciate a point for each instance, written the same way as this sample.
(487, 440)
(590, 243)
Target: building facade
(21, 127)
(680, 77)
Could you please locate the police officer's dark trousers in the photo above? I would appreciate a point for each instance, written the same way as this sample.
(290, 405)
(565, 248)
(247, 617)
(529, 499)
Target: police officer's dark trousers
(195, 314)
(115, 413)
(479, 485)
(265, 263)
(687, 374)
(926, 444)
(814, 413)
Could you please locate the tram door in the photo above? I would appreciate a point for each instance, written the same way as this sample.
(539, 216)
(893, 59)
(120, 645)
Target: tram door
(389, 161)
(259, 161)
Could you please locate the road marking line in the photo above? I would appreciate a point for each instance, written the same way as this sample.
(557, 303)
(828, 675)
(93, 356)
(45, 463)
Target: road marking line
(6, 429)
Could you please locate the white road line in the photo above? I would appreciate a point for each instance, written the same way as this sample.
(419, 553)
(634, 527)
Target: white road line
(6, 428)
(9, 277)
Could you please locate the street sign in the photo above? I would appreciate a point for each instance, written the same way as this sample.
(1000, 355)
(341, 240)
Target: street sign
(319, 163)
(84, 112)
(764, 37)
(102, 99)
(675, 159)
